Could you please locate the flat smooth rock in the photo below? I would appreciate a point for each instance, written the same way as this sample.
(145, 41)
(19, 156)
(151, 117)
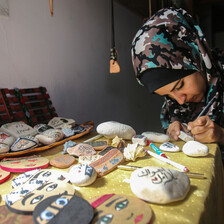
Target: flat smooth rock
(82, 175)
(185, 137)
(50, 136)
(61, 122)
(42, 127)
(81, 149)
(62, 161)
(156, 137)
(169, 147)
(24, 143)
(18, 129)
(195, 149)
(4, 148)
(159, 185)
(6, 138)
(111, 129)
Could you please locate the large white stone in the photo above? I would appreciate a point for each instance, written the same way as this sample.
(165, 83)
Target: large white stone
(195, 149)
(159, 185)
(156, 137)
(111, 129)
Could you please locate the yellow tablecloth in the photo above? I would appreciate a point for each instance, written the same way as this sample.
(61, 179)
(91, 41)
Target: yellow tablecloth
(203, 204)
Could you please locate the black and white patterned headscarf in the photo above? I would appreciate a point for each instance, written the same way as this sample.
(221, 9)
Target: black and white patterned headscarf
(171, 40)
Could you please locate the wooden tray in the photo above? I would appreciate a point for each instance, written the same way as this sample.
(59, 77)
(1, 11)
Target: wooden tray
(89, 126)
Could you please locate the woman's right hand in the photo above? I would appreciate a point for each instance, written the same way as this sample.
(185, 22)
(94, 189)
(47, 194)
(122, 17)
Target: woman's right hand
(174, 129)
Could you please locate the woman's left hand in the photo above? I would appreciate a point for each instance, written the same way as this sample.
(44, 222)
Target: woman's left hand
(206, 131)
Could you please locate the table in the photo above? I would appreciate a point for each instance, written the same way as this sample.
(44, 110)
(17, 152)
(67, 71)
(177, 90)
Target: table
(203, 204)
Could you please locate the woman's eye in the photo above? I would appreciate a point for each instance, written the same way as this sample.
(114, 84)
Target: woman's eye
(180, 85)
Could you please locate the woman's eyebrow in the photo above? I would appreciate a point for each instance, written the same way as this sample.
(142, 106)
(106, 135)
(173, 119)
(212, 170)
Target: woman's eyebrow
(175, 85)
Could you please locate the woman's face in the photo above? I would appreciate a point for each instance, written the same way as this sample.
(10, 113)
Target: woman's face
(191, 88)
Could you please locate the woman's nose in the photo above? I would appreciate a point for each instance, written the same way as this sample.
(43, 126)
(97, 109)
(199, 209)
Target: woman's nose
(179, 97)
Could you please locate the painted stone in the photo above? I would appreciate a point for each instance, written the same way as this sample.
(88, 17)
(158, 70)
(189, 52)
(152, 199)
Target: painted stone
(195, 149)
(6, 138)
(159, 185)
(98, 145)
(22, 178)
(106, 150)
(4, 148)
(23, 164)
(18, 129)
(58, 209)
(82, 175)
(156, 137)
(62, 161)
(36, 181)
(115, 208)
(24, 143)
(108, 162)
(27, 202)
(60, 122)
(81, 149)
(133, 151)
(88, 159)
(185, 137)
(140, 139)
(169, 147)
(68, 144)
(111, 129)
(50, 136)
(4, 175)
(42, 127)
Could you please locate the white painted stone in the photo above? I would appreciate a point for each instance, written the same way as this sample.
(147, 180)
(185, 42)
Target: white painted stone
(50, 136)
(156, 137)
(82, 175)
(4, 148)
(195, 149)
(169, 147)
(185, 137)
(159, 185)
(111, 129)
(18, 129)
(61, 122)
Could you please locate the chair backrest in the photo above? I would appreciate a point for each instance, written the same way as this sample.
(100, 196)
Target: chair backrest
(31, 105)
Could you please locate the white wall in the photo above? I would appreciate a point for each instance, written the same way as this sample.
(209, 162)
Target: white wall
(69, 55)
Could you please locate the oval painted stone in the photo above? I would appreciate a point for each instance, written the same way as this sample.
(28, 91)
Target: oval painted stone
(195, 149)
(82, 175)
(81, 149)
(62, 161)
(169, 147)
(50, 136)
(159, 185)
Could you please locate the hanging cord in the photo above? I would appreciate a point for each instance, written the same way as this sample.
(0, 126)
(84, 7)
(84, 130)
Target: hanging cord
(114, 67)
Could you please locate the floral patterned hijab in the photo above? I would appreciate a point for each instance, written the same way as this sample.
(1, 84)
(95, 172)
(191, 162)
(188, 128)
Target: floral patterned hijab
(171, 40)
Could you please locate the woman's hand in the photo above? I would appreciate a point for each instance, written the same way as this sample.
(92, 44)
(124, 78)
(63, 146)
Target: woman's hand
(205, 130)
(174, 129)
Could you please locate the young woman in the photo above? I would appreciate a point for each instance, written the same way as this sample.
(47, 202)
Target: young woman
(171, 58)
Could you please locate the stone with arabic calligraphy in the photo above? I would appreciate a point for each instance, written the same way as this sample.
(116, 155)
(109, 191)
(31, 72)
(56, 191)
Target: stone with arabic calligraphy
(195, 149)
(82, 175)
(159, 185)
